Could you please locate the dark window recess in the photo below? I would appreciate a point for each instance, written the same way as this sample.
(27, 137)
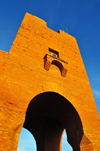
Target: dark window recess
(53, 53)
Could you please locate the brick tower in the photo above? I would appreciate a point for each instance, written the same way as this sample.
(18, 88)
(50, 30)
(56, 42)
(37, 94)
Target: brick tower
(44, 88)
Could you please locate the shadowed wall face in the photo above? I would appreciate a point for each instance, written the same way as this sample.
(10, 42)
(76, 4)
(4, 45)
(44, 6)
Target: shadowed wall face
(47, 116)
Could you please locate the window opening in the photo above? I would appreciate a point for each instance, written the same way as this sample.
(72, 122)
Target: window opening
(53, 53)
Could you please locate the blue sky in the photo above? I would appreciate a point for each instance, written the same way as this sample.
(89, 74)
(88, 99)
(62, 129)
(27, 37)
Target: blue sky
(80, 18)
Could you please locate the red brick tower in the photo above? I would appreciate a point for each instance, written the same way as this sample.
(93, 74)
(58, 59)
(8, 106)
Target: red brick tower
(44, 88)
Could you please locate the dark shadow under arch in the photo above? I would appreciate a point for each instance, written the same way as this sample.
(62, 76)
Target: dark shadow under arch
(47, 116)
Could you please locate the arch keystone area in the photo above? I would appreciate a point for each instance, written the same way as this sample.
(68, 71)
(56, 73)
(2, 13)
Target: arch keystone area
(42, 101)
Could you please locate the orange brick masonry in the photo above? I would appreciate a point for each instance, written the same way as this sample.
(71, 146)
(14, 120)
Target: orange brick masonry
(46, 67)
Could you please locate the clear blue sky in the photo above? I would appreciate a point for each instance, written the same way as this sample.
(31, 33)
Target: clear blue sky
(80, 18)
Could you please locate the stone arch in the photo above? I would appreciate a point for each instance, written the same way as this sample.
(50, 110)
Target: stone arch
(48, 60)
(58, 64)
(47, 116)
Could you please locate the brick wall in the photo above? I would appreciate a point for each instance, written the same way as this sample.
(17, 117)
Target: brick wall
(23, 76)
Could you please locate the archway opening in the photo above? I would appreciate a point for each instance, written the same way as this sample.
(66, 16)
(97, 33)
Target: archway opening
(47, 116)
(65, 145)
(26, 141)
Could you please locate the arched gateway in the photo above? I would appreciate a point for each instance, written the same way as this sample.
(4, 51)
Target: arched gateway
(47, 116)
(44, 88)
